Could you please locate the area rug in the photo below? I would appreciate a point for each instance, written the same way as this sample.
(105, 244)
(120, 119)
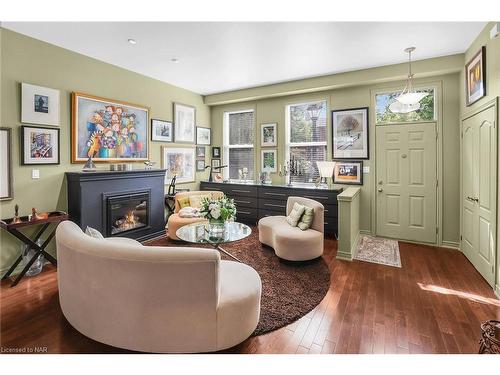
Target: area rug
(289, 289)
(378, 250)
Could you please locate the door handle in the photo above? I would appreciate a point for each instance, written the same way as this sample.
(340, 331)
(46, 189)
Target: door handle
(380, 190)
(473, 199)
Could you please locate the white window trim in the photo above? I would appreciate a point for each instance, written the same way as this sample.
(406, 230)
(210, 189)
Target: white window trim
(227, 146)
(289, 144)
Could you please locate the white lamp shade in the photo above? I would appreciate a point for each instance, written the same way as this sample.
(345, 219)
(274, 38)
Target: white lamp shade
(398, 107)
(411, 97)
(326, 168)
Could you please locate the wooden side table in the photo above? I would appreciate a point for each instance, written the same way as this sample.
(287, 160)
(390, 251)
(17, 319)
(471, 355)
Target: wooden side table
(13, 228)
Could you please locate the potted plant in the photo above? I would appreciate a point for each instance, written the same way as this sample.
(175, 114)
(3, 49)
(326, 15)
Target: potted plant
(217, 211)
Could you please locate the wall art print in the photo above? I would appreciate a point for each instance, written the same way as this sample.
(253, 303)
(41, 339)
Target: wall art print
(108, 130)
(39, 145)
(178, 162)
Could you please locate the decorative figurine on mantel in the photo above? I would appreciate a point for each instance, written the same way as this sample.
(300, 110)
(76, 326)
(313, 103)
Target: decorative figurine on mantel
(16, 219)
(89, 164)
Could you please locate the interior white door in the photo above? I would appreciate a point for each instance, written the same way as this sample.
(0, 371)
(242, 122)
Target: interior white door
(479, 155)
(407, 182)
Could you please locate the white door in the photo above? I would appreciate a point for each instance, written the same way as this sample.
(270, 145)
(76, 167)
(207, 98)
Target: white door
(479, 155)
(407, 182)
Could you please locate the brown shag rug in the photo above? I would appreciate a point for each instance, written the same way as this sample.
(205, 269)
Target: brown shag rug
(289, 289)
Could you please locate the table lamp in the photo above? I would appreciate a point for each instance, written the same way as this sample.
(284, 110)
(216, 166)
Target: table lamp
(326, 169)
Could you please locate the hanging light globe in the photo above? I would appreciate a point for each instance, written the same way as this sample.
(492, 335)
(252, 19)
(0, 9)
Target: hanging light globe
(398, 107)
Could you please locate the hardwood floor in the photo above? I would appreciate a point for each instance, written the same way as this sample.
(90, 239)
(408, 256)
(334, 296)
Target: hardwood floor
(435, 303)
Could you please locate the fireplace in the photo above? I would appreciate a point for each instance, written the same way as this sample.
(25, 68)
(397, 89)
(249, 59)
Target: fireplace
(127, 212)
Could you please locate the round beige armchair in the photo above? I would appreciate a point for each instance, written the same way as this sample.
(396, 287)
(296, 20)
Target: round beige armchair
(292, 243)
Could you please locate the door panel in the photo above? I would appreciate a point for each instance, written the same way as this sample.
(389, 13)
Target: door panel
(406, 182)
(479, 155)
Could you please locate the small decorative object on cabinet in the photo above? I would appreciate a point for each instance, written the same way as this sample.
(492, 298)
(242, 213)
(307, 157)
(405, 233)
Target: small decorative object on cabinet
(203, 136)
(348, 173)
(162, 131)
(326, 169)
(350, 133)
(184, 120)
(268, 135)
(475, 77)
(39, 145)
(5, 164)
(39, 105)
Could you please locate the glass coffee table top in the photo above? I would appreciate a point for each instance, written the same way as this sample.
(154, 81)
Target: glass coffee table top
(199, 233)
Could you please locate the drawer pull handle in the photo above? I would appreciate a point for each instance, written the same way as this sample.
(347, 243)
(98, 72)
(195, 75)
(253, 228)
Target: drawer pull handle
(240, 191)
(242, 201)
(315, 197)
(280, 194)
(274, 205)
(244, 212)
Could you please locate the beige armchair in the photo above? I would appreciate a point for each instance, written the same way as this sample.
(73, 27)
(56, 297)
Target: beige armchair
(175, 221)
(145, 298)
(292, 243)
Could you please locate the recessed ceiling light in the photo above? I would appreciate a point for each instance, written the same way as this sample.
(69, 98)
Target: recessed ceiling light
(174, 60)
(132, 41)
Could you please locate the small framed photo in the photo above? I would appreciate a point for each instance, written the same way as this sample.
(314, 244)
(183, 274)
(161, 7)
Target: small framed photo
(200, 165)
(39, 145)
(184, 120)
(39, 105)
(200, 152)
(203, 136)
(215, 163)
(268, 135)
(5, 164)
(216, 152)
(475, 77)
(162, 131)
(268, 161)
(350, 133)
(350, 172)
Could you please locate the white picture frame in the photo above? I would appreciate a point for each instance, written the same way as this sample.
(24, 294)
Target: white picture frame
(40, 105)
(203, 136)
(268, 161)
(6, 191)
(184, 120)
(269, 135)
(162, 131)
(180, 162)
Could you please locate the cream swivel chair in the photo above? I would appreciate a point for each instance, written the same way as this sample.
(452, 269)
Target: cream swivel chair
(174, 221)
(292, 243)
(154, 299)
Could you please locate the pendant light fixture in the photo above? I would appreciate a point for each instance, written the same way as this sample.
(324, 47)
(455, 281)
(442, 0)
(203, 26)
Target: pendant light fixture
(409, 99)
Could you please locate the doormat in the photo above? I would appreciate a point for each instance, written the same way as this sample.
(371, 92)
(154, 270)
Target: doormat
(378, 250)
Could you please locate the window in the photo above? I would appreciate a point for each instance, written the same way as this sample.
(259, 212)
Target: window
(239, 132)
(385, 116)
(305, 139)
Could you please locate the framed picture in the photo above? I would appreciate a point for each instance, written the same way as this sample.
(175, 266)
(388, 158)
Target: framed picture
(350, 133)
(184, 120)
(200, 152)
(475, 77)
(216, 152)
(162, 131)
(203, 136)
(215, 163)
(108, 130)
(178, 162)
(39, 145)
(348, 173)
(200, 165)
(268, 135)
(39, 105)
(268, 161)
(6, 191)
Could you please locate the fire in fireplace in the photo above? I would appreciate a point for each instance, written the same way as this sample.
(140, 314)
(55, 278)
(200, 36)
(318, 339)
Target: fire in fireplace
(127, 212)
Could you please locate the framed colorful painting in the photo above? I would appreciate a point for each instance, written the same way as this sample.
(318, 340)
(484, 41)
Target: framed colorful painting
(39, 145)
(475, 77)
(108, 130)
(348, 173)
(178, 162)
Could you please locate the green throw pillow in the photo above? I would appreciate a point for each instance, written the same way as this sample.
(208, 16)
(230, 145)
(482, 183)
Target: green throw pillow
(183, 202)
(294, 215)
(306, 219)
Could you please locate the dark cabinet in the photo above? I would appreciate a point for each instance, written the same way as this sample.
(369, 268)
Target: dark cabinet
(255, 201)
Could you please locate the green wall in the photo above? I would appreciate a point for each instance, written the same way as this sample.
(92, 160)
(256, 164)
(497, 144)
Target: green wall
(24, 59)
(492, 91)
(273, 110)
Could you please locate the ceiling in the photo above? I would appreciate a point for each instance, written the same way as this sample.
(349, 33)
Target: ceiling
(215, 57)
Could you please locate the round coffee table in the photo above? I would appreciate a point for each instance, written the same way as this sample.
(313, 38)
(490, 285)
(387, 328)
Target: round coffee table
(198, 233)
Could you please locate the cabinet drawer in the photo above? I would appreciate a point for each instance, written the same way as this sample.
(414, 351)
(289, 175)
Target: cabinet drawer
(273, 204)
(266, 213)
(247, 215)
(323, 198)
(331, 211)
(273, 193)
(245, 201)
(241, 191)
(211, 186)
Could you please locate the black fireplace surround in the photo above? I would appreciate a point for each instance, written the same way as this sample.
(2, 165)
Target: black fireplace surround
(118, 203)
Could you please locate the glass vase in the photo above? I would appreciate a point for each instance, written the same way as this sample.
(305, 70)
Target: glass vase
(216, 229)
(37, 265)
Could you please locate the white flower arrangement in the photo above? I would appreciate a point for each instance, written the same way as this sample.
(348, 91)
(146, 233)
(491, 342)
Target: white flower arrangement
(218, 210)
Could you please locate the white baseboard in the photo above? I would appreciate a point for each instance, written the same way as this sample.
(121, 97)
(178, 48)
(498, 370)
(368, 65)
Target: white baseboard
(451, 245)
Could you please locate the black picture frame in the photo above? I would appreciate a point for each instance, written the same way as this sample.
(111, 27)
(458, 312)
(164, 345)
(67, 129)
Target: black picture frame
(482, 54)
(216, 154)
(153, 135)
(200, 165)
(198, 128)
(360, 172)
(23, 159)
(365, 154)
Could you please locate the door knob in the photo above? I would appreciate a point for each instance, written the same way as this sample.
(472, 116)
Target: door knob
(403, 156)
(380, 190)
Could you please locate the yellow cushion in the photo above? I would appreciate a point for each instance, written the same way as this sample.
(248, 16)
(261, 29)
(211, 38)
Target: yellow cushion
(183, 202)
(195, 200)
